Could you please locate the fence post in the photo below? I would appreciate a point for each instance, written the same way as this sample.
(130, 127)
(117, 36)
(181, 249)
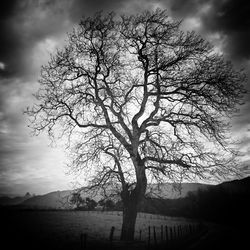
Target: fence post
(166, 233)
(149, 236)
(83, 238)
(185, 230)
(155, 240)
(171, 233)
(178, 232)
(161, 232)
(111, 235)
(174, 233)
(190, 228)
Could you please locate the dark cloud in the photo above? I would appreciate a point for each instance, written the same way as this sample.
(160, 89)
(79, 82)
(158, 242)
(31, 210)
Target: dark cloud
(22, 25)
(7, 44)
(184, 8)
(229, 18)
(86, 7)
(25, 23)
(7, 8)
(232, 19)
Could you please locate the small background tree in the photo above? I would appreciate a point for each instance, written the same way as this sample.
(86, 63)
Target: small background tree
(139, 102)
(76, 200)
(91, 204)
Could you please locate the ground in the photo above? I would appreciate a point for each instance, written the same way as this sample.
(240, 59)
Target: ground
(63, 230)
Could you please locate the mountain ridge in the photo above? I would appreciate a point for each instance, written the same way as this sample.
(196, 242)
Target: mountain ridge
(60, 199)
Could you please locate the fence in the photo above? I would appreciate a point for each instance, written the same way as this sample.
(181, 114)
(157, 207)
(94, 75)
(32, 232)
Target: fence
(177, 236)
(155, 237)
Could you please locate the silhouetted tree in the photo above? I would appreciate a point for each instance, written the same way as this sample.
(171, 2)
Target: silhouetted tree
(139, 100)
(102, 204)
(109, 204)
(119, 205)
(90, 203)
(76, 199)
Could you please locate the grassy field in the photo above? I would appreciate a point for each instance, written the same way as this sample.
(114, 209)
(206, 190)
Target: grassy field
(60, 229)
(47, 230)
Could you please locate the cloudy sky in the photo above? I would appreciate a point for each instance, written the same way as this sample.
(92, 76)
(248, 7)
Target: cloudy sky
(32, 29)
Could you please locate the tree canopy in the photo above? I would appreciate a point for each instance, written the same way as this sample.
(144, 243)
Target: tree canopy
(139, 101)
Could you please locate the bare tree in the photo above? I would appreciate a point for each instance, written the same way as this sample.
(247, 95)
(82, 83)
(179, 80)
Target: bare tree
(139, 101)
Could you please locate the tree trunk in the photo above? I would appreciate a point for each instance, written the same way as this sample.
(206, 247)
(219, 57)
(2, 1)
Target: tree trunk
(131, 199)
(129, 220)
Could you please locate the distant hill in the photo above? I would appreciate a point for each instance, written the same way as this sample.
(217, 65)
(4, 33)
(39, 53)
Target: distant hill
(226, 203)
(167, 191)
(175, 191)
(60, 199)
(236, 186)
(8, 201)
(53, 200)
